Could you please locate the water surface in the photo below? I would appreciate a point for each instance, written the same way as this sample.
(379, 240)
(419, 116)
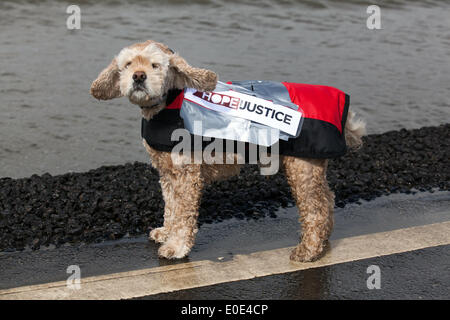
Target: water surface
(397, 76)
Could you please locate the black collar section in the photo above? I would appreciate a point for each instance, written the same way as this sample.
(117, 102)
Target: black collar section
(172, 94)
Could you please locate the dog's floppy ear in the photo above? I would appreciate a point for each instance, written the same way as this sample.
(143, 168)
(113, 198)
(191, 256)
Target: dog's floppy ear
(106, 86)
(190, 77)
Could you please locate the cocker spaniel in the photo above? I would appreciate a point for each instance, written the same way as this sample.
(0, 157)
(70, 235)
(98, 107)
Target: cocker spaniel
(148, 74)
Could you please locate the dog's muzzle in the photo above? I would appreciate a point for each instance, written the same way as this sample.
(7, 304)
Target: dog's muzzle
(160, 101)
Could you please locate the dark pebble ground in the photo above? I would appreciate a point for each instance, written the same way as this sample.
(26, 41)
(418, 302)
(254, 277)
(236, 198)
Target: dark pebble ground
(115, 201)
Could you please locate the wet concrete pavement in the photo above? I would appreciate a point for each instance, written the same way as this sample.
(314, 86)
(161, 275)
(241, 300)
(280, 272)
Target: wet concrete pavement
(226, 239)
(420, 274)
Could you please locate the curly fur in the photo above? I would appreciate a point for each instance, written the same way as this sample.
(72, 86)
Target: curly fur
(182, 184)
(106, 86)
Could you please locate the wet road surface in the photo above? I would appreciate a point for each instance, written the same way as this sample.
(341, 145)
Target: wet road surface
(419, 274)
(225, 241)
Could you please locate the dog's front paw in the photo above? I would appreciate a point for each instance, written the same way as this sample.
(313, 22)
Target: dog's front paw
(159, 235)
(171, 250)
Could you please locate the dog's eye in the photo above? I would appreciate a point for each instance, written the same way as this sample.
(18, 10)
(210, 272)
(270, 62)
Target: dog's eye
(128, 64)
(155, 65)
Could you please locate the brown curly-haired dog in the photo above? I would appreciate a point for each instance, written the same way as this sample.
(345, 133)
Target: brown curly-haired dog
(161, 70)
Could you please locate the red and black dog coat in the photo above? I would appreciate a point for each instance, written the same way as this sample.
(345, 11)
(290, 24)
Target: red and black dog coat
(324, 110)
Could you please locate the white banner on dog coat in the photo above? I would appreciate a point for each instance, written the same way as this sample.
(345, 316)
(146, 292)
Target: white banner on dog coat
(248, 107)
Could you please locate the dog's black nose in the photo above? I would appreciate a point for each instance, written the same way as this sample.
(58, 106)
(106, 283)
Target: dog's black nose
(139, 76)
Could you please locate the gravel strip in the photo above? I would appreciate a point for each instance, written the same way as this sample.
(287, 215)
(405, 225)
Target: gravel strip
(115, 201)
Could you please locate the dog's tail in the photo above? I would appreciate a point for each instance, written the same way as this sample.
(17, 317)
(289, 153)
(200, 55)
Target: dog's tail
(354, 130)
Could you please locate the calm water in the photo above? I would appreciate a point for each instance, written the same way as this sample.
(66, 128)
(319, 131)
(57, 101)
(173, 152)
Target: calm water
(397, 77)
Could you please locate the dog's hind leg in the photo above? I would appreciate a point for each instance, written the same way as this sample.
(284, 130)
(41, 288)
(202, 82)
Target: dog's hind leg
(315, 201)
(182, 196)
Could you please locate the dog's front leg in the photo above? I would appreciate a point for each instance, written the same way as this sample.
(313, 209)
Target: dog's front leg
(160, 234)
(183, 196)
